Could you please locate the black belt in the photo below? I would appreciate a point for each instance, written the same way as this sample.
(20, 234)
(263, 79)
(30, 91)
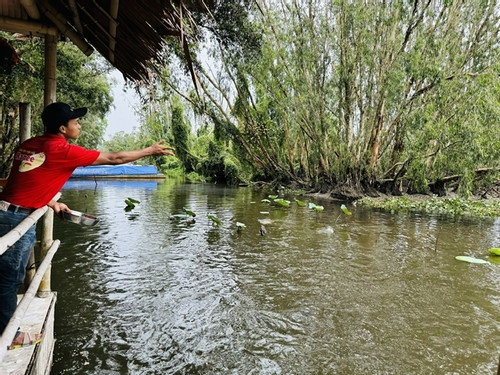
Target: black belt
(15, 208)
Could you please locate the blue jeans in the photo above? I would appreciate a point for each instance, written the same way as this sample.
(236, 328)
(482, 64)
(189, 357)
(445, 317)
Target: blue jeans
(13, 264)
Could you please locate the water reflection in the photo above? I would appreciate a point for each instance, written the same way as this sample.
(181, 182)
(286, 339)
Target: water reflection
(151, 292)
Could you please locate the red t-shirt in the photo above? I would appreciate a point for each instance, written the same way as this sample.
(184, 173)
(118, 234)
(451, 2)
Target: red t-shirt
(41, 167)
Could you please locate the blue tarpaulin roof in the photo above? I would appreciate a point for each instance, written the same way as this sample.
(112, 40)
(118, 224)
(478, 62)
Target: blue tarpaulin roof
(115, 170)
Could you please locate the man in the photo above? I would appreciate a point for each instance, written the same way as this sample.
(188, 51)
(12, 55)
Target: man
(41, 167)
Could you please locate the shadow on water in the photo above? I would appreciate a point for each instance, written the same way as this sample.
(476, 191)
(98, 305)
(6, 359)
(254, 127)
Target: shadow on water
(156, 291)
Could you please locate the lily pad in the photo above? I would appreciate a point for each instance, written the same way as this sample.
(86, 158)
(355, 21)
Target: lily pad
(189, 212)
(300, 203)
(215, 219)
(468, 259)
(282, 202)
(130, 202)
(495, 251)
(315, 207)
(345, 210)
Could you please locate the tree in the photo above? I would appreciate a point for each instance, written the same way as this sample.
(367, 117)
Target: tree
(347, 95)
(80, 82)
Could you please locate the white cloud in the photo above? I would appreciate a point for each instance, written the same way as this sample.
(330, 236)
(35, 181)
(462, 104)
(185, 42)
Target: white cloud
(123, 116)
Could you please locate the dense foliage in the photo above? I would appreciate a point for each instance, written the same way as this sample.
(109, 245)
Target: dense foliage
(348, 96)
(343, 96)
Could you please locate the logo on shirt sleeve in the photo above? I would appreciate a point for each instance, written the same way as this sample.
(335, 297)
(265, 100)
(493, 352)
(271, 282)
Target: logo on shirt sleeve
(30, 162)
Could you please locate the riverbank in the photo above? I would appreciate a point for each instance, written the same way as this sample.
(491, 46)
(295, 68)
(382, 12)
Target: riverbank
(448, 205)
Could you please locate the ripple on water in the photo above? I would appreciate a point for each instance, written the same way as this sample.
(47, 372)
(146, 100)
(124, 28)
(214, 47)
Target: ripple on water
(319, 293)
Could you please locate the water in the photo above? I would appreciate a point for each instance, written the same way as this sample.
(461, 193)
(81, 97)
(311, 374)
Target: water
(151, 291)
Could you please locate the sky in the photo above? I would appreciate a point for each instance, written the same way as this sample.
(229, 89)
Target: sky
(122, 117)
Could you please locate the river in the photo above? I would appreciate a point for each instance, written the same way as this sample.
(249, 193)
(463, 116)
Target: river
(153, 290)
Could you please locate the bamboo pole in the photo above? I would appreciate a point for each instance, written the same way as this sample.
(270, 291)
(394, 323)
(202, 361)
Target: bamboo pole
(24, 134)
(50, 70)
(24, 121)
(48, 219)
(15, 234)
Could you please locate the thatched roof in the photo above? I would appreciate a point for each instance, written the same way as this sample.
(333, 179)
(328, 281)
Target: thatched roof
(128, 33)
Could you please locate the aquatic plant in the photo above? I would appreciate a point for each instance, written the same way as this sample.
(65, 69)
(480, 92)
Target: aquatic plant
(215, 219)
(315, 207)
(300, 203)
(189, 212)
(345, 210)
(435, 205)
(282, 202)
(130, 203)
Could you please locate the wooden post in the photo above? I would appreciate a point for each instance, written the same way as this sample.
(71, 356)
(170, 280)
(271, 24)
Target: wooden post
(24, 134)
(50, 70)
(48, 219)
(24, 121)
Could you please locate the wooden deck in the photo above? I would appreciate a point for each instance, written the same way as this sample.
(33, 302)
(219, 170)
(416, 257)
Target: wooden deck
(34, 360)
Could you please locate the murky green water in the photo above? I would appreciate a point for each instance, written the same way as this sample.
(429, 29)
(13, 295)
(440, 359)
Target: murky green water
(150, 292)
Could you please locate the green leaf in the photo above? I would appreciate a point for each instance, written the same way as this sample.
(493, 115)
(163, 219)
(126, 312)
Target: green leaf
(272, 196)
(315, 207)
(468, 259)
(345, 210)
(282, 202)
(266, 201)
(495, 251)
(132, 200)
(129, 204)
(300, 203)
(215, 219)
(189, 212)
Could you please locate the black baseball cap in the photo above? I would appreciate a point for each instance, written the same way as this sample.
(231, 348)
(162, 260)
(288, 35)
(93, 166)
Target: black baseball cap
(59, 113)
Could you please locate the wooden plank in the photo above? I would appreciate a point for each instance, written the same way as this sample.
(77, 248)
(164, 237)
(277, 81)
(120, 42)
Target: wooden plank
(39, 318)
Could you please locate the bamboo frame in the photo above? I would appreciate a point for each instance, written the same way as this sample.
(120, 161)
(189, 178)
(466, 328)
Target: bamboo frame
(11, 329)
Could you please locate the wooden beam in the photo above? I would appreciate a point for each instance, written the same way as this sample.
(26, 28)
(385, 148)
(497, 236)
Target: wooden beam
(31, 9)
(62, 24)
(76, 16)
(26, 27)
(113, 9)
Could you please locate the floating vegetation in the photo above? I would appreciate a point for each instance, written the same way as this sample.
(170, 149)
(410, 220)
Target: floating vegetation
(130, 203)
(282, 202)
(300, 203)
(468, 259)
(265, 221)
(345, 210)
(495, 251)
(265, 200)
(189, 212)
(435, 205)
(315, 207)
(214, 219)
(272, 196)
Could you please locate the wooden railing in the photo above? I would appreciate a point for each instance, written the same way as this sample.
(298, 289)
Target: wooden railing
(40, 284)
